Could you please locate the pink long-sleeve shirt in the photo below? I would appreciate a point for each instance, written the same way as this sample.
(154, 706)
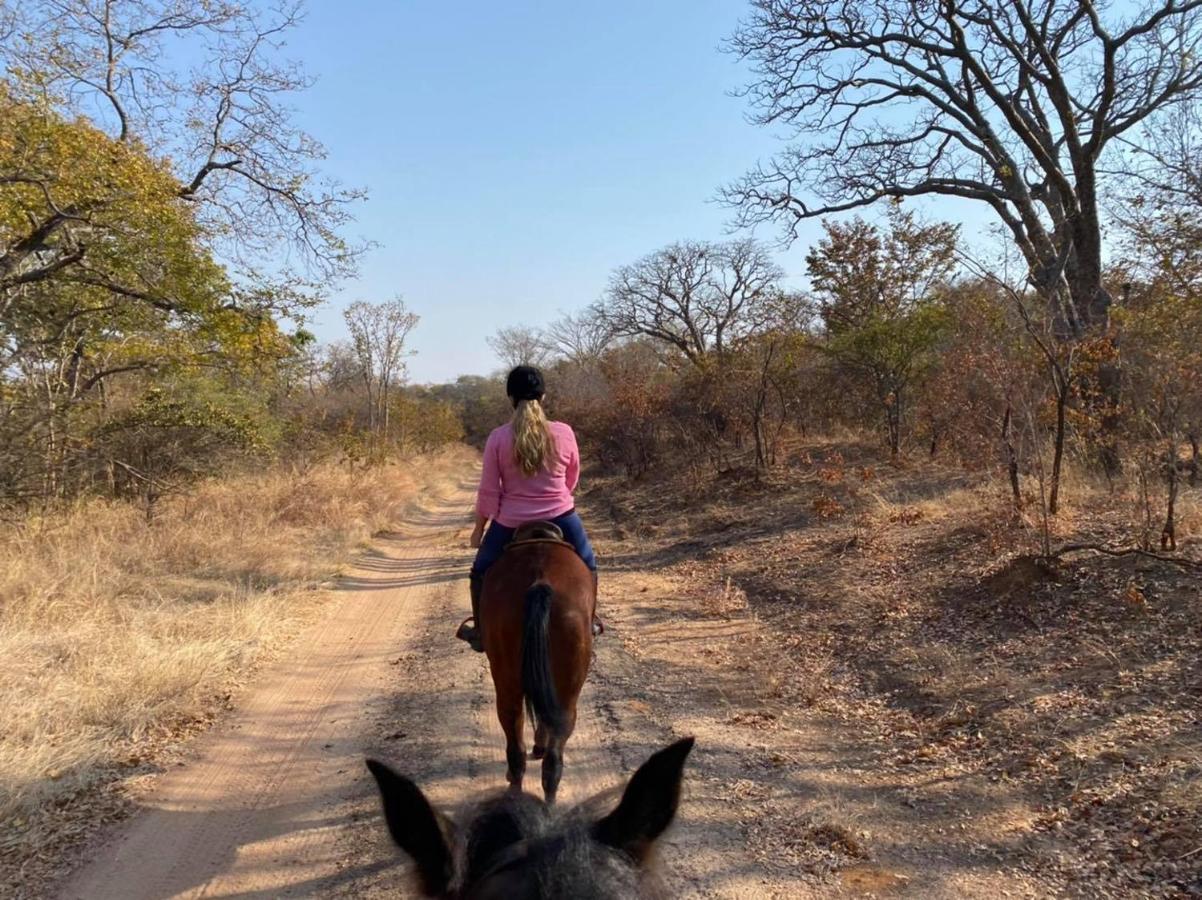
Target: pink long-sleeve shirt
(510, 496)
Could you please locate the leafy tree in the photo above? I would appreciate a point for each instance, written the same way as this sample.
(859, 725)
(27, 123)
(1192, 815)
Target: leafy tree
(877, 296)
(769, 366)
(98, 216)
(988, 387)
(164, 441)
(629, 428)
(425, 421)
(103, 276)
(480, 403)
(235, 151)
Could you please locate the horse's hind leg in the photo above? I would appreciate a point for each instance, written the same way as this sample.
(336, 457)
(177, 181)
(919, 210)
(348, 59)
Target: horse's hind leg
(552, 769)
(540, 742)
(553, 760)
(509, 712)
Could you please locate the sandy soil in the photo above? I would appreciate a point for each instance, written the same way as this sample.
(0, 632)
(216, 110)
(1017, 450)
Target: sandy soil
(276, 801)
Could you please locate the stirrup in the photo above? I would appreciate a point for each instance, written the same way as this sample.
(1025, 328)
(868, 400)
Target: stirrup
(598, 627)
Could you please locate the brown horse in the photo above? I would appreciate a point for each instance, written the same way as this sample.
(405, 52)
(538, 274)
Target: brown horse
(536, 613)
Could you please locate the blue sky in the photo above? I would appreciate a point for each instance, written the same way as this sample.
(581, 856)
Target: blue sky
(515, 153)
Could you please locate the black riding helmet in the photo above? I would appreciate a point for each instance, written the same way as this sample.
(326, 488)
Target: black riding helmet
(525, 383)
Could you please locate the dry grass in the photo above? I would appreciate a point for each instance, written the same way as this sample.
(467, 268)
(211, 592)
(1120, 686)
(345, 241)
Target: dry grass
(117, 634)
(1056, 706)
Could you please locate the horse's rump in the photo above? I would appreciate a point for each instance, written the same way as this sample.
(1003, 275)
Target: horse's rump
(534, 562)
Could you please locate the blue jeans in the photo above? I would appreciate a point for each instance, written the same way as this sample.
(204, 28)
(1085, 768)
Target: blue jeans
(498, 536)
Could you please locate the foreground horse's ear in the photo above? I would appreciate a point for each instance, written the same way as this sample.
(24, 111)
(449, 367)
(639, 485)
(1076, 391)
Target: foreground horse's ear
(648, 803)
(418, 829)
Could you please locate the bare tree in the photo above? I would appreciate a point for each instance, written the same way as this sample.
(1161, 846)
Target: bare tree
(579, 337)
(1161, 214)
(1009, 104)
(520, 345)
(697, 297)
(225, 123)
(1166, 159)
(378, 335)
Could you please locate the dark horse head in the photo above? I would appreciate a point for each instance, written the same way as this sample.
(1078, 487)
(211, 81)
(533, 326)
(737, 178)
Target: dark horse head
(513, 847)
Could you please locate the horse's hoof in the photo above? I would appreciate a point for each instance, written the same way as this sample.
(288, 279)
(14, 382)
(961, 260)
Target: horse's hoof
(538, 752)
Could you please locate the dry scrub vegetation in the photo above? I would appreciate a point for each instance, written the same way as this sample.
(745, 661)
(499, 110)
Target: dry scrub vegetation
(120, 635)
(1041, 718)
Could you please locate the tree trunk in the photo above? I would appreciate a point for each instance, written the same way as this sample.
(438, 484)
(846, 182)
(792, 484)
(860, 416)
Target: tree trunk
(761, 457)
(371, 405)
(1091, 304)
(1109, 394)
(1058, 453)
(384, 411)
(1168, 533)
(893, 416)
(757, 427)
(1011, 459)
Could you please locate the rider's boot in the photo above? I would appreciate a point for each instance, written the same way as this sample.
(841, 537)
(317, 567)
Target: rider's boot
(598, 628)
(471, 633)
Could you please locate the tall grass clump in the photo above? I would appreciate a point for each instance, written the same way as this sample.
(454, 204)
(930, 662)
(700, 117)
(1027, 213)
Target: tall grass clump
(118, 633)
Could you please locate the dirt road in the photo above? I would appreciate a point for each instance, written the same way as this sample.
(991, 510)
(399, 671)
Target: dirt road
(267, 804)
(276, 801)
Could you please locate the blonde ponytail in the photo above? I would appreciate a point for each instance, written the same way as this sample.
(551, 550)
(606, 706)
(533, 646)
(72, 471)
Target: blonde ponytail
(533, 442)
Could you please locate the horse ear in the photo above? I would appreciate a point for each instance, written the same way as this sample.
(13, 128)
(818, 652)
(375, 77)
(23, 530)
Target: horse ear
(417, 828)
(648, 804)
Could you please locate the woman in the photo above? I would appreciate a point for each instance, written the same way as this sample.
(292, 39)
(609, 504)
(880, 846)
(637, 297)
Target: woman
(531, 467)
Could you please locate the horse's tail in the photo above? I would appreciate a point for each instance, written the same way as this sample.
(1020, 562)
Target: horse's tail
(538, 686)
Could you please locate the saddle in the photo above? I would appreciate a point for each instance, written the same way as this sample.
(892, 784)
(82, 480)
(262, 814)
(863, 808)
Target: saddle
(537, 533)
(530, 533)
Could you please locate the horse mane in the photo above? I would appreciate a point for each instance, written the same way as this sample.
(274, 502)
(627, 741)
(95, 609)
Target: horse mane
(498, 823)
(518, 833)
